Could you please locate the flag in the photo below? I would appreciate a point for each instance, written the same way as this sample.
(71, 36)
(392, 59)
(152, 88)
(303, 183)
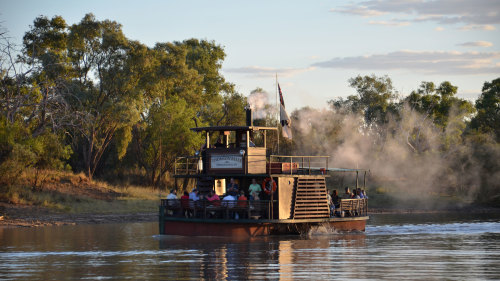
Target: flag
(285, 121)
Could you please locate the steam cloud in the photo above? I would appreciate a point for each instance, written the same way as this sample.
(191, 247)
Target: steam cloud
(258, 100)
(415, 168)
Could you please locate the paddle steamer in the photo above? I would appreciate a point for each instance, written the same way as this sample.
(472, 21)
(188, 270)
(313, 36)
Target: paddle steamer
(297, 193)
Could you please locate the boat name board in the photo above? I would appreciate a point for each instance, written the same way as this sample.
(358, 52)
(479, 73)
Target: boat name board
(226, 161)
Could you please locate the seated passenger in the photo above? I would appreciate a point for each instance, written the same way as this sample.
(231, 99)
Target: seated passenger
(229, 201)
(172, 195)
(194, 195)
(242, 200)
(335, 198)
(347, 194)
(364, 194)
(355, 194)
(213, 198)
(360, 194)
(185, 204)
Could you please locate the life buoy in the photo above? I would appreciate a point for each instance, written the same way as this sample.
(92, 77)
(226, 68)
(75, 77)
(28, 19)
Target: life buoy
(265, 185)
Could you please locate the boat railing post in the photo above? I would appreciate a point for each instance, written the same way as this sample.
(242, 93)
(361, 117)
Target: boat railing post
(302, 162)
(357, 172)
(364, 181)
(291, 163)
(326, 159)
(309, 158)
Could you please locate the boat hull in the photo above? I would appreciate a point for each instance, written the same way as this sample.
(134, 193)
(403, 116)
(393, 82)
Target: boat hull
(253, 228)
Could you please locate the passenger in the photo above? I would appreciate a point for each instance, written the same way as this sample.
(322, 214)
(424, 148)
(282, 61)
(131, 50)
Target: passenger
(335, 201)
(355, 194)
(232, 188)
(347, 194)
(219, 143)
(364, 194)
(251, 143)
(172, 195)
(172, 202)
(254, 189)
(185, 196)
(335, 198)
(194, 195)
(242, 200)
(229, 201)
(254, 196)
(185, 204)
(331, 207)
(359, 193)
(213, 198)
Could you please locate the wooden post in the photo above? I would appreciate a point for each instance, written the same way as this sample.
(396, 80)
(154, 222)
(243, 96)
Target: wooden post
(357, 179)
(265, 144)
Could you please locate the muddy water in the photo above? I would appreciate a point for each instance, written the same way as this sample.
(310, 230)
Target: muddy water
(452, 247)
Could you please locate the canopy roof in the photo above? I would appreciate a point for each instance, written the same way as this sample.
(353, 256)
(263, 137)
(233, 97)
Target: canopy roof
(233, 128)
(347, 170)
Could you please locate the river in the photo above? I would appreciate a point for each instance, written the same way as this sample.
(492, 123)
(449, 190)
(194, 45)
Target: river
(394, 247)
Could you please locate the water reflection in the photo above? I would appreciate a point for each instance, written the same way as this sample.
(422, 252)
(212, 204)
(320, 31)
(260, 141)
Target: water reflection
(261, 257)
(393, 247)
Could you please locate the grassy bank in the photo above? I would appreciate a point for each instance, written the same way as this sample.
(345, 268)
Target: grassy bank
(65, 192)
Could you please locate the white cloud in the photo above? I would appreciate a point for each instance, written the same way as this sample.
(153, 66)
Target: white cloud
(359, 11)
(427, 62)
(389, 23)
(439, 28)
(267, 71)
(477, 44)
(480, 13)
(478, 27)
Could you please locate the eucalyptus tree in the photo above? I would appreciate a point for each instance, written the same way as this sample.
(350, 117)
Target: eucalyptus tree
(104, 96)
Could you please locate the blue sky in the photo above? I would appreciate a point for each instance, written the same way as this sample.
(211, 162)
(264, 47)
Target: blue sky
(313, 46)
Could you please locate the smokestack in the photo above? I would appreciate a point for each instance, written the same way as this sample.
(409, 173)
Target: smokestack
(249, 116)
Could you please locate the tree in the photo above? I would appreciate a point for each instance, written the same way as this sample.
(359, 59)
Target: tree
(165, 136)
(488, 109)
(375, 98)
(104, 95)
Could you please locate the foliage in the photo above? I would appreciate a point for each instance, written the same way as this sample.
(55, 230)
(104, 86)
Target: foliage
(488, 109)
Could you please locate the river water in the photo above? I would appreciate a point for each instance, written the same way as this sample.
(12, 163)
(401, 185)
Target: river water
(394, 247)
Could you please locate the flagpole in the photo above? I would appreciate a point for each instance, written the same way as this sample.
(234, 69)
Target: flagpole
(278, 115)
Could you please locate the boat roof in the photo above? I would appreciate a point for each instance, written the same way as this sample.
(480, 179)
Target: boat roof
(347, 170)
(233, 128)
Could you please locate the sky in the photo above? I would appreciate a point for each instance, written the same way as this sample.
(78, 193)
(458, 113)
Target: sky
(312, 47)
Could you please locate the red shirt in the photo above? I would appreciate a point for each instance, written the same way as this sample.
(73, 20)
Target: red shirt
(185, 201)
(242, 201)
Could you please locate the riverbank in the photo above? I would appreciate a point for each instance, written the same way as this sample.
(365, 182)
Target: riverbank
(61, 198)
(32, 216)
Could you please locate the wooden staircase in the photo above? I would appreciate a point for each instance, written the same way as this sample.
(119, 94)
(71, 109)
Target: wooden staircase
(310, 198)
